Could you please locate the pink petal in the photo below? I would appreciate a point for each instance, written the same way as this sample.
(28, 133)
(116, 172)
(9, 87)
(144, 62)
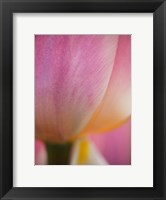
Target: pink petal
(115, 108)
(40, 153)
(115, 146)
(71, 78)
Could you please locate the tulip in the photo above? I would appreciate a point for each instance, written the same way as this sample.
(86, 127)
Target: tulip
(82, 85)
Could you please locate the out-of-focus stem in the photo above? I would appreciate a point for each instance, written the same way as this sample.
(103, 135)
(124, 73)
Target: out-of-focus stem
(58, 154)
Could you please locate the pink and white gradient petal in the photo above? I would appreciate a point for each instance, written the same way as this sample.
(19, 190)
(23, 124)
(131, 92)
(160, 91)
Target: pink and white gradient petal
(115, 108)
(71, 77)
(40, 153)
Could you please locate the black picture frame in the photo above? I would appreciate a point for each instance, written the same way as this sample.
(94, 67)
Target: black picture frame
(7, 8)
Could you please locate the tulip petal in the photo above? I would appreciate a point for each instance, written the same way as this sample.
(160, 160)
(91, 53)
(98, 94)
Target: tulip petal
(71, 77)
(40, 153)
(84, 152)
(115, 146)
(115, 108)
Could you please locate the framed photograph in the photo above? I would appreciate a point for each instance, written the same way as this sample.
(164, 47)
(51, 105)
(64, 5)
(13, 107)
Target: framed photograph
(82, 99)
